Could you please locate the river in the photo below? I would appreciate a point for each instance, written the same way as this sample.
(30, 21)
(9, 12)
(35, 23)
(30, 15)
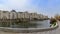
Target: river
(31, 24)
(42, 24)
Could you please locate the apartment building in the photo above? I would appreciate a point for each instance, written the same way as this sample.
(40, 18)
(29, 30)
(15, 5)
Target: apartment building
(14, 15)
(4, 15)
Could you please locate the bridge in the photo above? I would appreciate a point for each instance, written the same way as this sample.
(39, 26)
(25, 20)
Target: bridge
(55, 31)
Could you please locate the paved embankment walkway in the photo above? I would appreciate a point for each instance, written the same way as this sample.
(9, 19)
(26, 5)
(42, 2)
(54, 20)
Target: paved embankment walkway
(55, 31)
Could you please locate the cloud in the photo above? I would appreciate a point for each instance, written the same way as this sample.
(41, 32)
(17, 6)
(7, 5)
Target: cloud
(16, 3)
(13, 4)
(2, 7)
(21, 5)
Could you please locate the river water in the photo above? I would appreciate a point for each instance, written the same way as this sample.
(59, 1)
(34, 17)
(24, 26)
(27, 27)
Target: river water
(30, 24)
(42, 24)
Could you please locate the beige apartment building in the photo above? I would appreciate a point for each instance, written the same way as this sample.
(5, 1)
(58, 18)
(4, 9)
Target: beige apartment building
(14, 15)
(23, 16)
(4, 15)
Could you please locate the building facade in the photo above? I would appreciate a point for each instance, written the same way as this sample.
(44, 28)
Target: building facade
(18, 15)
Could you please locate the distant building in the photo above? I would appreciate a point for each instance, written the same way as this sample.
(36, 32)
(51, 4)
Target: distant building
(18, 15)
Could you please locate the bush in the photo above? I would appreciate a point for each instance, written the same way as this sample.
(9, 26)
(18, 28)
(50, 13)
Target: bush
(52, 21)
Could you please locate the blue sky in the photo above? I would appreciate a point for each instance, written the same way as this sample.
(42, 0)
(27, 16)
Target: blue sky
(46, 7)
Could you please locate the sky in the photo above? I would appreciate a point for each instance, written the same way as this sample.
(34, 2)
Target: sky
(46, 7)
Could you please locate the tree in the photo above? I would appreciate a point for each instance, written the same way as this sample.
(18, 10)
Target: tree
(57, 16)
(52, 20)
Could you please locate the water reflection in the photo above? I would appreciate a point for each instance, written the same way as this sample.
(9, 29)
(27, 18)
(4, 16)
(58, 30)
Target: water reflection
(31, 24)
